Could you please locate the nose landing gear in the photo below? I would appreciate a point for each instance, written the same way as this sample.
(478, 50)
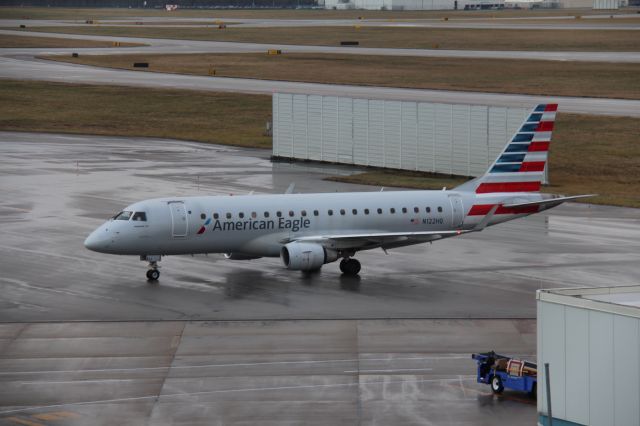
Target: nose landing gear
(350, 266)
(152, 273)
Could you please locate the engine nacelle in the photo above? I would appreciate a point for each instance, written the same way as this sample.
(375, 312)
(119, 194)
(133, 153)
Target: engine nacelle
(240, 256)
(306, 256)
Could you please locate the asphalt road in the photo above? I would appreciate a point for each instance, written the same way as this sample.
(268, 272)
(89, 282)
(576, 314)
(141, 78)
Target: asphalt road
(57, 188)
(158, 46)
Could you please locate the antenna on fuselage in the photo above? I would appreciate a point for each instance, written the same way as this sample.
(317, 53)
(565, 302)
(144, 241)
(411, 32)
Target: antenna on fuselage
(290, 189)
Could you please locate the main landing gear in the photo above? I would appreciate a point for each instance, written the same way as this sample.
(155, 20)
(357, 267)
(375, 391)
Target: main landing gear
(350, 266)
(152, 273)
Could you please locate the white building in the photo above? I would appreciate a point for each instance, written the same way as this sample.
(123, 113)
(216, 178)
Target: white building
(591, 339)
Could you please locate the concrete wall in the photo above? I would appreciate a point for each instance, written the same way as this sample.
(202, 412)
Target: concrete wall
(594, 360)
(442, 138)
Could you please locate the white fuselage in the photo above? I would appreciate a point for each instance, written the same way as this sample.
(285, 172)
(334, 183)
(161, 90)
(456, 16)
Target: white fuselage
(259, 225)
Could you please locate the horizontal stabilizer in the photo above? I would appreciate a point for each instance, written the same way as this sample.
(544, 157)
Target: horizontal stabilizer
(548, 202)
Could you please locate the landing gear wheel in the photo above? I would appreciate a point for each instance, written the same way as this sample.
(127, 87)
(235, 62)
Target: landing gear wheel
(153, 274)
(350, 267)
(496, 385)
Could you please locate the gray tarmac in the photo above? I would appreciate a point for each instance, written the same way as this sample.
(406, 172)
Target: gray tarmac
(85, 339)
(345, 372)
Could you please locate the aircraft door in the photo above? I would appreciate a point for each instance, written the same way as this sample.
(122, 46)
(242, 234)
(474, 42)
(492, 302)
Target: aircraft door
(178, 219)
(457, 211)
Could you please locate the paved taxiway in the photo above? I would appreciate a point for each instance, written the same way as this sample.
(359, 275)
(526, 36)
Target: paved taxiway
(41, 70)
(56, 189)
(165, 46)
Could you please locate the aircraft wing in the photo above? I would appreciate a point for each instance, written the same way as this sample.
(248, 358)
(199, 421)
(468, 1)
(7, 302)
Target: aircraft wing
(365, 241)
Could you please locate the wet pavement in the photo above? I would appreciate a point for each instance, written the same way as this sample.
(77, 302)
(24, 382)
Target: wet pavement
(344, 372)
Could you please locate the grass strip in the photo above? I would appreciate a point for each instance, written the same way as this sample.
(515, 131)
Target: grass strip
(389, 37)
(222, 118)
(551, 78)
(10, 41)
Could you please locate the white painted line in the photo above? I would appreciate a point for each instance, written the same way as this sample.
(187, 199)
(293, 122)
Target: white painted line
(387, 371)
(324, 361)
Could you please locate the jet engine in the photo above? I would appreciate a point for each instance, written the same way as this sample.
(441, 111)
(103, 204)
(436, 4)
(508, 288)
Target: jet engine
(306, 256)
(240, 256)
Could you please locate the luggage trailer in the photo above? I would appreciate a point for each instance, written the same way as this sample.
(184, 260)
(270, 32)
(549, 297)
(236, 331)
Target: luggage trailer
(503, 372)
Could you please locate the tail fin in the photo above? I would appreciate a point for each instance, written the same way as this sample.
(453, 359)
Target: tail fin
(521, 164)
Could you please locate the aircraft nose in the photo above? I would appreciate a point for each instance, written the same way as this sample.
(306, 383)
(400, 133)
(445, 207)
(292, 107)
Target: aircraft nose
(97, 240)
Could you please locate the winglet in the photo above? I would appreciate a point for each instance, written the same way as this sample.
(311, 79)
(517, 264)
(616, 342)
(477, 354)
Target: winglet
(485, 221)
(290, 189)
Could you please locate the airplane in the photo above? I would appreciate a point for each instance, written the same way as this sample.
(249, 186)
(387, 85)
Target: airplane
(309, 230)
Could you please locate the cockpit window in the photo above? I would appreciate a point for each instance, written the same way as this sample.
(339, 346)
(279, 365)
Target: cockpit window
(122, 216)
(140, 216)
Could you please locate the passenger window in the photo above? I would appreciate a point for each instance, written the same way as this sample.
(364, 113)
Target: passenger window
(404, 210)
(379, 211)
(330, 212)
(140, 216)
(342, 212)
(439, 209)
(216, 215)
(122, 216)
(316, 212)
(254, 215)
(279, 214)
(240, 215)
(228, 215)
(366, 211)
(392, 210)
(291, 213)
(354, 211)
(203, 216)
(303, 213)
(266, 214)
(416, 210)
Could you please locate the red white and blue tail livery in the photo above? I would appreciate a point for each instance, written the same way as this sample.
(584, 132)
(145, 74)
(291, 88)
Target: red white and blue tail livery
(308, 230)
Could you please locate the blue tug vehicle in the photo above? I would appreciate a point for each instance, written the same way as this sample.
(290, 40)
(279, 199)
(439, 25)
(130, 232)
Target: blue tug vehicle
(503, 372)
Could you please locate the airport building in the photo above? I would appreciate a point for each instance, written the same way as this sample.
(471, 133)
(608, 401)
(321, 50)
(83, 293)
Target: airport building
(466, 4)
(452, 139)
(591, 339)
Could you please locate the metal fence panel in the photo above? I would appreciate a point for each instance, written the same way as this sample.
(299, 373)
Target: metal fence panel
(361, 131)
(426, 137)
(329, 128)
(443, 139)
(300, 126)
(376, 133)
(392, 134)
(409, 136)
(460, 140)
(345, 130)
(314, 132)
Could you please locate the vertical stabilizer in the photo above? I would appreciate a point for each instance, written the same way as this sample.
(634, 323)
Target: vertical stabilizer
(521, 164)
